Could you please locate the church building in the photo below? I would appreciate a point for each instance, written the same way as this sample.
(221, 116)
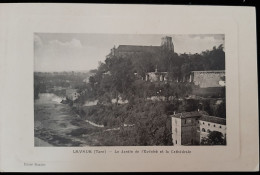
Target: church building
(126, 50)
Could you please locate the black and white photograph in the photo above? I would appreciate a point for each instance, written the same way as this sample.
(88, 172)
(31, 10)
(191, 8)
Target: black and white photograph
(129, 90)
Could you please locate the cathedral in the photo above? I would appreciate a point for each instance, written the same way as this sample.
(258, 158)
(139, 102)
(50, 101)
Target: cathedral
(188, 128)
(126, 50)
(210, 82)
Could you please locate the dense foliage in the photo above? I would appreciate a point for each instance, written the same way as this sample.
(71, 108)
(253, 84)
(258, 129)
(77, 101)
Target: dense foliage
(214, 138)
(140, 123)
(45, 82)
(123, 78)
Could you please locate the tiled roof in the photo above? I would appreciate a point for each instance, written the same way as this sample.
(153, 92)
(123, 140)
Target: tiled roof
(202, 115)
(213, 119)
(190, 114)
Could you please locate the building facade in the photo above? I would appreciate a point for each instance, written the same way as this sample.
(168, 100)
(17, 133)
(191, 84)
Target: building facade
(210, 83)
(208, 79)
(189, 128)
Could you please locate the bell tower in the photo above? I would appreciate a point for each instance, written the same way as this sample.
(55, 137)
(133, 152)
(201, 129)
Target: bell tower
(167, 43)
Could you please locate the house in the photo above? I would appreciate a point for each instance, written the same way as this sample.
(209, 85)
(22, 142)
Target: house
(189, 128)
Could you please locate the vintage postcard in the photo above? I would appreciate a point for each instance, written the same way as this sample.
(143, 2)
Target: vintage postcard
(95, 88)
(129, 90)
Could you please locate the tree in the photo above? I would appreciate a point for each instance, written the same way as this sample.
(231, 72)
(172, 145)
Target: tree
(143, 63)
(122, 76)
(221, 110)
(214, 138)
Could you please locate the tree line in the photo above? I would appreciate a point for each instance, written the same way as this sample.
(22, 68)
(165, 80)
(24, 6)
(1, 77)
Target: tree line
(122, 76)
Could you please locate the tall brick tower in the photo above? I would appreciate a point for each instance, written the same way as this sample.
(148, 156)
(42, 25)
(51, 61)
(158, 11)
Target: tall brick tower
(167, 43)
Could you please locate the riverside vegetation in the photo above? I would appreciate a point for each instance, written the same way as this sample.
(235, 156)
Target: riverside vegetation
(139, 121)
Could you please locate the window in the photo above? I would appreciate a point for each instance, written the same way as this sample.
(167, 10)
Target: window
(203, 123)
(176, 141)
(208, 124)
(185, 121)
(220, 126)
(176, 130)
(208, 131)
(214, 125)
(198, 122)
(203, 130)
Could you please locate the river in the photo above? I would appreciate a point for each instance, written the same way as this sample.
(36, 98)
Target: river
(55, 124)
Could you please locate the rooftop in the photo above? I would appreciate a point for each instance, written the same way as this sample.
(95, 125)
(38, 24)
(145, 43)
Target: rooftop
(202, 115)
(190, 114)
(133, 48)
(213, 119)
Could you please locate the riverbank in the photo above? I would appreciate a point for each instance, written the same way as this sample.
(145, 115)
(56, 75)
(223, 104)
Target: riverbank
(57, 124)
(141, 123)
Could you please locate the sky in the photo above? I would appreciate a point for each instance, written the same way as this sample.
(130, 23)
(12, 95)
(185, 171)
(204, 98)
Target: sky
(82, 52)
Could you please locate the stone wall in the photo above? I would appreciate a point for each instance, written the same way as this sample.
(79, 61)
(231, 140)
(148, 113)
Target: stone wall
(206, 79)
